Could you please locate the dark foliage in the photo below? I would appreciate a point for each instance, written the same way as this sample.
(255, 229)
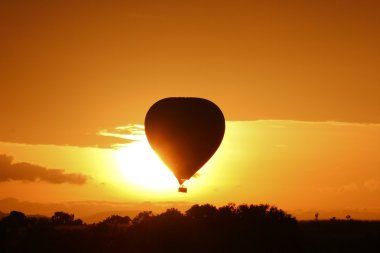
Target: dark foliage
(202, 228)
(62, 218)
(116, 220)
(340, 236)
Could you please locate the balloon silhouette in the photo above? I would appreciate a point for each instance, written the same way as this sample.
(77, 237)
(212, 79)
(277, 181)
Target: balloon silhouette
(185, 132)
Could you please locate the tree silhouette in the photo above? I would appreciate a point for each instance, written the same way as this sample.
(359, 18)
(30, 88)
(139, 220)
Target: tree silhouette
(15, 219)
(117, 220)
(202, 228)
(202, 212)
(142, 217)
(62, 218)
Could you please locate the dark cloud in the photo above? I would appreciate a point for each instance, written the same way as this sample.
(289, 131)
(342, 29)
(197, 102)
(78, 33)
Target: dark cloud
(32, 173)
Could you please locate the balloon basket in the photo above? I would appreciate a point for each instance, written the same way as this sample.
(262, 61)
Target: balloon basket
(182, 189)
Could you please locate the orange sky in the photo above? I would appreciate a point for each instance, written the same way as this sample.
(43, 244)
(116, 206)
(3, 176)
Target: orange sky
(70, 69)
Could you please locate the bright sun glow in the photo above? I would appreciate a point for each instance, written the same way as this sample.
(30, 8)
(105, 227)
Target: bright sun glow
(142, 167)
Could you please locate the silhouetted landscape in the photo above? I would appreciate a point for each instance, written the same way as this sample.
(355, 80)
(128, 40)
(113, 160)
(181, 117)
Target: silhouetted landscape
(128, 126)
(202, 228)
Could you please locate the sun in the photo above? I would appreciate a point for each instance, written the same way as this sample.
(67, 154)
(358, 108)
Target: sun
(140, 166)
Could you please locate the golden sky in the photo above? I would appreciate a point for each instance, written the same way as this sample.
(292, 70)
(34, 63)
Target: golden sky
(298, 82)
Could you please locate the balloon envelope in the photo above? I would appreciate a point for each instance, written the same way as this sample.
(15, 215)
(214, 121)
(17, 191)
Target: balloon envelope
(185, 133)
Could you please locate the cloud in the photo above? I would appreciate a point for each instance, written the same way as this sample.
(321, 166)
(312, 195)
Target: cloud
(369, 185)
(52, 137)
(130, 133)
(32, 173)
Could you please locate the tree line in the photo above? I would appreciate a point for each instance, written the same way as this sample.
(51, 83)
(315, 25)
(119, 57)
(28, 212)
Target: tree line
(201, 228)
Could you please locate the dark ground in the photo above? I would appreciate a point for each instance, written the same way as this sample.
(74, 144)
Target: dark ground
(205, 228)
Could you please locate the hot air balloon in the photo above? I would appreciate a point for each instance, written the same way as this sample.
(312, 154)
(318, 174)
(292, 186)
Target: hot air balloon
(185, 132)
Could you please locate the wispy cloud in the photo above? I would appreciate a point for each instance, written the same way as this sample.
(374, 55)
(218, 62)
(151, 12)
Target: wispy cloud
(131, 132)
(33, 173)
(363, 186)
